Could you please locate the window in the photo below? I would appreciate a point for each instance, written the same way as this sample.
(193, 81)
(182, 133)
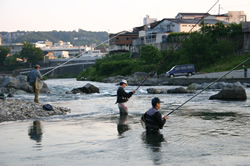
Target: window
(177, 68)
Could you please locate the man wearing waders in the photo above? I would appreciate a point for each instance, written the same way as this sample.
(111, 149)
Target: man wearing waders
(32, 76)
(122, 97)
(153, 118)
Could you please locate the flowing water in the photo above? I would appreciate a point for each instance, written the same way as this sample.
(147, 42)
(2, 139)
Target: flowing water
(202, 132)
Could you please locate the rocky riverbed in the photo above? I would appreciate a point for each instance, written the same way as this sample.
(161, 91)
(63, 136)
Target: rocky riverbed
(11, 110)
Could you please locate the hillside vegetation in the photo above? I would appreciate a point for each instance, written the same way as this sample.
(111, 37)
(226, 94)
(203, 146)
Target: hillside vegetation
(214, 48)
(80, 37)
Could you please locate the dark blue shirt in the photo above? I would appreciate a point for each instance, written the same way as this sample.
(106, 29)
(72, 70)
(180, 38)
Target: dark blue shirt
(33, 75)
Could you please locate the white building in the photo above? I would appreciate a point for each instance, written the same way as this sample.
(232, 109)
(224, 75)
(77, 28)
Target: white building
(61, 54)
(232, 17)
(147, 20)
(62, 44)
(160, 30)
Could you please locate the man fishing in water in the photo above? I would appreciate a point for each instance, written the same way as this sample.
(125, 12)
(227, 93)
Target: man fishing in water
(122, 97)
(153, 118)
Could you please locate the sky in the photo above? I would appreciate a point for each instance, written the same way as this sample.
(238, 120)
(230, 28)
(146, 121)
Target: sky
(112, 16)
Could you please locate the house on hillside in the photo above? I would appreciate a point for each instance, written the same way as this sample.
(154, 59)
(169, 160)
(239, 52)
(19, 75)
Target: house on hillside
(156, 34)
(121, 42)
(15, 48)
(190, 15)
(230, 17)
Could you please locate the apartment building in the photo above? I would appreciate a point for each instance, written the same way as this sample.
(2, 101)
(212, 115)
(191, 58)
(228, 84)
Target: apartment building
(121, 42)
(230, 17)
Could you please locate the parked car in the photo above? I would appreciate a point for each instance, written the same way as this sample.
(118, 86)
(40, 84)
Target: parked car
(181, 70)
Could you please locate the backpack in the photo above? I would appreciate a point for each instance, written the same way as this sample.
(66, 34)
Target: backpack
(47, 107)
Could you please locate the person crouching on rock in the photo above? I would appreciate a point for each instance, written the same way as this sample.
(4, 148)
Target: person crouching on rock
(122, 97)
(32, 76)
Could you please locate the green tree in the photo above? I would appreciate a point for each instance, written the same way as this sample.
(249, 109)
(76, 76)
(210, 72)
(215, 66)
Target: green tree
(12, 60)
(31, 53)
(3, 54)
(150, 54)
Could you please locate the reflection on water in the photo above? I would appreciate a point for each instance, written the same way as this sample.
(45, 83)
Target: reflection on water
(35, 131)
(122, 125)
(153, 142)
(214, 115)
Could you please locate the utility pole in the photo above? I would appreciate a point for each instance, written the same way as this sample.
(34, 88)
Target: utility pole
(219, 9)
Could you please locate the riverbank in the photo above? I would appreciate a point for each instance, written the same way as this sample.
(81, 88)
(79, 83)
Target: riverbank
(137, 78)
(12, 110)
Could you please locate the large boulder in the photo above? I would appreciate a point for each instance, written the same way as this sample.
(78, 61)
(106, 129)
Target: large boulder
(88, 88)
(178, 90)
(11, 84)
(217, 85)
(156, 91)
(234, 93)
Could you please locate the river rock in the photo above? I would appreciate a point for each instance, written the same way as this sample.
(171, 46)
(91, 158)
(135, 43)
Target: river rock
(88, 88)
(178, 90)
(11, 84)
(156, 91)
(20, 92)
(10, 95)
(234, 93)
(217, 85)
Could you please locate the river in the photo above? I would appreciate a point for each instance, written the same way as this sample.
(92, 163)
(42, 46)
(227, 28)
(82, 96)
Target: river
(202, 132)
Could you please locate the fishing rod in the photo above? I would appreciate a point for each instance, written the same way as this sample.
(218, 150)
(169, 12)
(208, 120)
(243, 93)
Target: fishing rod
(80, 54)
(175, 46)
(208, 86)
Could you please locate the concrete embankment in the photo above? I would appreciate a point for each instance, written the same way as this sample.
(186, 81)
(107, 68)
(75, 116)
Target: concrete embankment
(138, 77)
(188, 81)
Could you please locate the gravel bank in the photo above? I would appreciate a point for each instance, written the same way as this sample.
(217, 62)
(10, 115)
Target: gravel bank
(11, 110)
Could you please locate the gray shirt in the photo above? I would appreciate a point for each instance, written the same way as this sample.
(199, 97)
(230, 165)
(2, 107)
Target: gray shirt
(33, 75)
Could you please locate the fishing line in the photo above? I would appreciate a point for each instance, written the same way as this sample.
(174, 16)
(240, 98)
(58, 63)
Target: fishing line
(208, 86)
(176, 46)
(80, 54)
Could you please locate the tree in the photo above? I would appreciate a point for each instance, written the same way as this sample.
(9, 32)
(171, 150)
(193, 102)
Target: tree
(12, 60)
(31, 53)
(3, 54)
(150, 54)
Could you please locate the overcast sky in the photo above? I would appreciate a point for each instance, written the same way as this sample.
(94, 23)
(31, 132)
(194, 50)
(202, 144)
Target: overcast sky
(101, 15)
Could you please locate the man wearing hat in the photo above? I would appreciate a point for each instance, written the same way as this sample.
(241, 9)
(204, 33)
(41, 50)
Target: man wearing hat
(153, 118)
(32, 76)
(122, 97)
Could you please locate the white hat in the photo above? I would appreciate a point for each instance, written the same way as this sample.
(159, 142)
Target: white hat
(124, 81)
